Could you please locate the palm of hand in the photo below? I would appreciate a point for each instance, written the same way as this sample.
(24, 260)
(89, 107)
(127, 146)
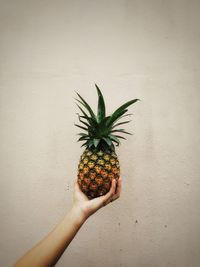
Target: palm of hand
(88, 207)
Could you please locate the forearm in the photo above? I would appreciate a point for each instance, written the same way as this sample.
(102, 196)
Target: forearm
(48, 251)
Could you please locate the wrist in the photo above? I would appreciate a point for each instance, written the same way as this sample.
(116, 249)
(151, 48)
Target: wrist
(77, 214)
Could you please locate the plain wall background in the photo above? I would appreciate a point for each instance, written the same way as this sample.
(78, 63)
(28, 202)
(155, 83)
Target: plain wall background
(131, 49)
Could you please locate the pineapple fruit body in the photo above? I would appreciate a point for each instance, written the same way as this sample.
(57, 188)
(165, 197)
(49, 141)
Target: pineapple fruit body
(96, 170)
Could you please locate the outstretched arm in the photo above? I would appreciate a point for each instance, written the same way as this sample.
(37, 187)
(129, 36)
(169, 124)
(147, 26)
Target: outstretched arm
(48, 251)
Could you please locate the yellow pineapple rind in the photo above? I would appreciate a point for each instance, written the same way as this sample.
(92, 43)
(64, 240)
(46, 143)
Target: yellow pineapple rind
(96, 171)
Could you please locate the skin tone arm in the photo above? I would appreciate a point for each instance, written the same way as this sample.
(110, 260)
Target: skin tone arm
(49, 250)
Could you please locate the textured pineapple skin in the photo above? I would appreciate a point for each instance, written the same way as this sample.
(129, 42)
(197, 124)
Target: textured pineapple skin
(96, 170)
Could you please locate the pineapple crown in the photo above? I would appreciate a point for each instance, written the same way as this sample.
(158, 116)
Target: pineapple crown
(100, 131)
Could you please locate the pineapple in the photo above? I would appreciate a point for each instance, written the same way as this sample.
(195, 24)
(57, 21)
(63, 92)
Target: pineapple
(99, 163)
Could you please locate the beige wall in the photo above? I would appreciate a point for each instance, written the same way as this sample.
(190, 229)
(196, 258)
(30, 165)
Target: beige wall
(144, 49)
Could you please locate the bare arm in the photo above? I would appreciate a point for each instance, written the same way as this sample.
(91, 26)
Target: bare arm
(48, 251)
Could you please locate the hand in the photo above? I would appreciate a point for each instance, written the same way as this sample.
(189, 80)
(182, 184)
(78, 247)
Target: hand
(87, 207)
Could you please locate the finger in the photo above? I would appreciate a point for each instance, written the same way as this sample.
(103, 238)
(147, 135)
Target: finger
(102, 200)
(118, 190)
(76, 186)
(107, 198)
(75, 183)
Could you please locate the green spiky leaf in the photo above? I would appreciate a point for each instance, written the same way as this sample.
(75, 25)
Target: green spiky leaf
(82, 134)
(101, 110)
(85, 123)
(96, 142)
(120, 123)
(84, 113)
(81, 127)
(114, 138)
(84, 144)
(90, 143)
(115, 116)
(126, 115)
(119, 136)
(107, 140)
(120, 111)
(127, 104)
(91, 121)
(83, 138)
(84, 103)
(121, 131)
